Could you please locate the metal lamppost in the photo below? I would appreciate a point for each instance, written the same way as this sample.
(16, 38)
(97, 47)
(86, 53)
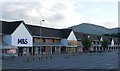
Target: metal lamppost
(41, 36)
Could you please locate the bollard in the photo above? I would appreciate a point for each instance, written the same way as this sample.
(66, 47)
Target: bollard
(27, 60)
(51, 57)
(73, 55)
(46, 57)
(39, 58)
(3, 58)
(33, 59)
(66, 56)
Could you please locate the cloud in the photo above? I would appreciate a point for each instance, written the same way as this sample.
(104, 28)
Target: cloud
(56, 18)
(33, 13)
(99, 0)
(15, 10)
(57, 13)
(105, 0)
(60, 12)
(109, 24)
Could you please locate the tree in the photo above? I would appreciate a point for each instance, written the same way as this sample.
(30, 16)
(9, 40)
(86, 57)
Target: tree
(113, 35)
(86, 42)
(116, 35)
(104, 43)
(106, 35)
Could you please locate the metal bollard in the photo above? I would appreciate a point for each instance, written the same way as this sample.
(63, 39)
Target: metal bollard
(46, 57)
(27, 59)
(33, 59)
(39, 58)
(51, 57)
(3, 58)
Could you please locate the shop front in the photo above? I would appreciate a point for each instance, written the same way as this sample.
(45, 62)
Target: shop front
(24, 45)
(25, 51)
(8, 50)
(63, 49)
(71, 50)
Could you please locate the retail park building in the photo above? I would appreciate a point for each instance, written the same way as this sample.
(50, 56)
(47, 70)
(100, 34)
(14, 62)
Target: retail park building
(26, 40)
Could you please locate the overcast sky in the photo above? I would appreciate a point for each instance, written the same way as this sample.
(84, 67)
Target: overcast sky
(61, 13)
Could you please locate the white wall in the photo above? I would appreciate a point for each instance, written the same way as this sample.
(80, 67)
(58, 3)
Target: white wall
(101, 39)
(72, 36)
(21, 37)
(112, 42)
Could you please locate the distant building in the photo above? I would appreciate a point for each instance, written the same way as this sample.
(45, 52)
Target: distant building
(25, 40)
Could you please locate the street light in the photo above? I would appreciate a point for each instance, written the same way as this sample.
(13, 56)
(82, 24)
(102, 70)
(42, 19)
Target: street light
(41, 35)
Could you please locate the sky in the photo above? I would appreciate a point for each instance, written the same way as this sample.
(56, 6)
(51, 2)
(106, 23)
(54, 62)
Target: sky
(61, 13)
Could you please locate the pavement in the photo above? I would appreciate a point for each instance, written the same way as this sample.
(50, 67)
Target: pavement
(107, 60)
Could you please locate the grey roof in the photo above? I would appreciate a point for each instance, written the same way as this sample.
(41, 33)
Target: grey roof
(116, 40)
(9, 27)
(94, 37)
(80, 35)
(35, 30)
(48, 32)
(99, 37)
(65, 33)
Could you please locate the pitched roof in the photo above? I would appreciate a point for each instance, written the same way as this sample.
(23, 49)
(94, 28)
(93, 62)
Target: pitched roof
(94, 37)
(9, 27)
(79, 35)
(49, 32)
(116, 40)
(65, 33)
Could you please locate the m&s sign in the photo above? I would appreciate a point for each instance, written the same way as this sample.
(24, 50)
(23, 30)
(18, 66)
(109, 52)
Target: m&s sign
(22, 41)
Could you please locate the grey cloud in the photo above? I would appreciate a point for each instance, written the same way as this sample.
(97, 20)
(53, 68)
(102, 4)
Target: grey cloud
(59, 7)
(110, 24)
(17, 10)
(57, 17)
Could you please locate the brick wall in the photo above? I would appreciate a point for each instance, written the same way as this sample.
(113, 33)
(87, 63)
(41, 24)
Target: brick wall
(72, 42)
(46, 40)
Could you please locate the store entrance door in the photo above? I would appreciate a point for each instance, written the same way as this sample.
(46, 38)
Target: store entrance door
(30, 51)
(20, 51)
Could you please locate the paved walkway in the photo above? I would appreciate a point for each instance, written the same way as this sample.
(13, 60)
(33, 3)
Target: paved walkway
(108, 60)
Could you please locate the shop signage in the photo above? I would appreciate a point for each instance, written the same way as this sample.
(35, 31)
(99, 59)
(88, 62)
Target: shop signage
(22, 41)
